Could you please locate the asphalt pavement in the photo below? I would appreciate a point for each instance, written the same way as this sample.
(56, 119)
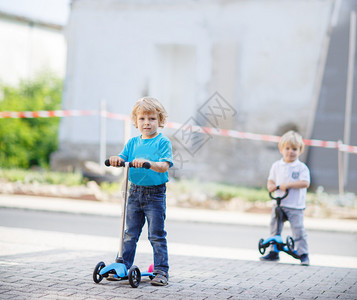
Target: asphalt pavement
(40, 264)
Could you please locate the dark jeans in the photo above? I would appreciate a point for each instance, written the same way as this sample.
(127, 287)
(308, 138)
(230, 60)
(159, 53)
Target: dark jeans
(149, 202)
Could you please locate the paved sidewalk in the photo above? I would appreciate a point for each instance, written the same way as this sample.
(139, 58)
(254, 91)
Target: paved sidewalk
(51, 265)
(38, 264)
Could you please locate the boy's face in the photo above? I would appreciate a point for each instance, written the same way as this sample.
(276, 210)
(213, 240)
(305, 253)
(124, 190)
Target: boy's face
(290, 152)
(148, 124)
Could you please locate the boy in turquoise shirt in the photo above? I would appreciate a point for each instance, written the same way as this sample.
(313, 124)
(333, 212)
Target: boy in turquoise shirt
(147, 195)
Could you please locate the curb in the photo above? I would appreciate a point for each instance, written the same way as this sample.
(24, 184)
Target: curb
(111, 209)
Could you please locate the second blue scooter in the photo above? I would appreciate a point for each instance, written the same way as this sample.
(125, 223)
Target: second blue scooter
(276, 240)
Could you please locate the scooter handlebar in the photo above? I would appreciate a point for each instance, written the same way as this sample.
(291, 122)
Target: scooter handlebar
(146, 165)
(281, 198)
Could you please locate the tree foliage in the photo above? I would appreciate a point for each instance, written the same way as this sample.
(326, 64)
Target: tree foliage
(27, 142)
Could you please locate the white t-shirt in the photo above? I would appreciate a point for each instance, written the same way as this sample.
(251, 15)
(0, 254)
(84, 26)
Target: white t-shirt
(281, 173)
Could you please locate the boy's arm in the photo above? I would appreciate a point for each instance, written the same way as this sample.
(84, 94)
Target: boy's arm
(157, 166)
(294, 185)
(160, 166)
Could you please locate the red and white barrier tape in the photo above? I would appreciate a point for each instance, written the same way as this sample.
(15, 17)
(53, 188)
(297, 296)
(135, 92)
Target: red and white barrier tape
(197, 129)
(58, 113)
(46, 114)
(262, 137)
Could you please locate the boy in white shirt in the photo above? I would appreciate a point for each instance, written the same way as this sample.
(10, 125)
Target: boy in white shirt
(291, 174)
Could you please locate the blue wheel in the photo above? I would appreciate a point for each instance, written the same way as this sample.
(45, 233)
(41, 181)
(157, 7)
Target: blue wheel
(134, 276)
(96, 276)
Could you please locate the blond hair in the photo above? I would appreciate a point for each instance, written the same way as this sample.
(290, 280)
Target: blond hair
(292, 138)
(147, 105)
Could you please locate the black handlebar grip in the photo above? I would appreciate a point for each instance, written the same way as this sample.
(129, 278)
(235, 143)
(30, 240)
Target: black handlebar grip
(146, 165)
(107, 163)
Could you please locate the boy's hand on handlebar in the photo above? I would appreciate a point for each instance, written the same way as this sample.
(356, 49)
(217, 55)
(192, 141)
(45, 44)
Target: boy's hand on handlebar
(138, 163)
(272, 189)
(115, 160)
(271, 186)
(283, 187)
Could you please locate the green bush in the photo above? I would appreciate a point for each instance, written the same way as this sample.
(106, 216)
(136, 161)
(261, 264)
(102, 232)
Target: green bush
(225, 192)
(29, 142)
(109, 187)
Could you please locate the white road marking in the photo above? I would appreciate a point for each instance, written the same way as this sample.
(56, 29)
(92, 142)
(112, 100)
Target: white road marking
(20, 241)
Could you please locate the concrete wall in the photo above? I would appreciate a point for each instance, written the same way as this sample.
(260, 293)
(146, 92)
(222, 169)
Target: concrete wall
(329, 122)
(261, 57)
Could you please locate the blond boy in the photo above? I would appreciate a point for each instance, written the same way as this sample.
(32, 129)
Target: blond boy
(147, 195)
(289, 173)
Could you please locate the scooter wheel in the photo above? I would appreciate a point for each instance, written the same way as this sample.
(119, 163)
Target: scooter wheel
(134, 276)
(96, 276)
(261, 247)
(290, 243)
(150, 270)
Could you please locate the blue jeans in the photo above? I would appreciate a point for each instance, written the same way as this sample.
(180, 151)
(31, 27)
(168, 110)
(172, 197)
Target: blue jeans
(147, 202)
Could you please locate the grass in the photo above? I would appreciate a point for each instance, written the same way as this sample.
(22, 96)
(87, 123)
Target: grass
(215, 191)
(219, 191)
(45, 177)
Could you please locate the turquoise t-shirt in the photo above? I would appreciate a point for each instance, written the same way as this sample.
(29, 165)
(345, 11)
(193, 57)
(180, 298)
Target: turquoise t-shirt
(157, 149)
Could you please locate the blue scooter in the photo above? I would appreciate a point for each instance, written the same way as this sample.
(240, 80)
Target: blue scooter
(277, 240)
(118, 270)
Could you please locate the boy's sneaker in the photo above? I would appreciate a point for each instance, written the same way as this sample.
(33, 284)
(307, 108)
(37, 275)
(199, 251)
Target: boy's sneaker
(159, 280)
(112, 277)
(272, 256)
(304, 258)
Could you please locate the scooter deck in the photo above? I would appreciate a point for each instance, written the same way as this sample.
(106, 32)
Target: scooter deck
(119, 269)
